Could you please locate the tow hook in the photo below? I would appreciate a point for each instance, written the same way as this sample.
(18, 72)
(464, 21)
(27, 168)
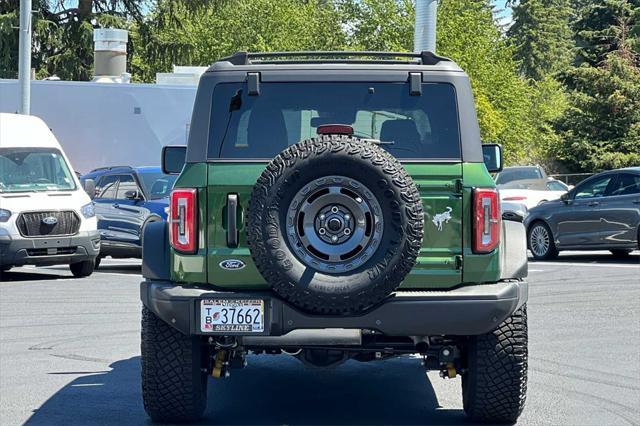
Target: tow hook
(446, 358)
(224, 360)
(449, 372)
(220, 365)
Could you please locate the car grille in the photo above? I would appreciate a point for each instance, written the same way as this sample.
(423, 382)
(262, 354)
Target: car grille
(51, 251)
(31, 224)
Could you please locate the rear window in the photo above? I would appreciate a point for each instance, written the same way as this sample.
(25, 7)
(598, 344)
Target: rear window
(510, 175)
(259, 127)
(157, 185)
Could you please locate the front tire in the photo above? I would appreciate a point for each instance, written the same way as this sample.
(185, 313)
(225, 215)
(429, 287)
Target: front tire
(82, 269)
(540, 242)
(620, 253)
(174, 386)
(495, 384)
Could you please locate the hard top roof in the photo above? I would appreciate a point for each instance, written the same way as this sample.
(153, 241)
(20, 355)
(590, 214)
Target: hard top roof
(120, 169)
(313, 59)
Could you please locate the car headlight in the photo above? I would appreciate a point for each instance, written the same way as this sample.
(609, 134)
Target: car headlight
(4, 215)
(88, 211)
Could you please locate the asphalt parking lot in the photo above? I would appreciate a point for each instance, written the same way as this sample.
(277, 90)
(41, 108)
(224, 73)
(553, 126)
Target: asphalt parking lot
(69, 354)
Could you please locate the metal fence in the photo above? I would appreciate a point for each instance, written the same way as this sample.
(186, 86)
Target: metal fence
(572, 178)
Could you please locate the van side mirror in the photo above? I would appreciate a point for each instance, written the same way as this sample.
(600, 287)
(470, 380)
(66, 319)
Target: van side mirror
(173, 159)
(89, 186)
(492, 155)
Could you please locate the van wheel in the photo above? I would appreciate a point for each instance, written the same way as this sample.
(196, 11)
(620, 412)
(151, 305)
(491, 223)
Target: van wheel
(540, 242)
(82, 269)
(174, 385)
(494, 386)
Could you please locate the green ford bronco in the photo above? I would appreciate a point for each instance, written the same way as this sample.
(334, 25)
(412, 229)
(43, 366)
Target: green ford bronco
(334, 206)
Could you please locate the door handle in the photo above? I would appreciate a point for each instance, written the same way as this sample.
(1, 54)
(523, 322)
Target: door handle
(636, 201)
(232, 220)
(593, 204)
(116, 205)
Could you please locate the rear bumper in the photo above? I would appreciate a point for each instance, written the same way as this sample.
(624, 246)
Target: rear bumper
(50, 250)
(469, 310)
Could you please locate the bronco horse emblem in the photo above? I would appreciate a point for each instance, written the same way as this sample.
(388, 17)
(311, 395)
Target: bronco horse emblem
(442, 218)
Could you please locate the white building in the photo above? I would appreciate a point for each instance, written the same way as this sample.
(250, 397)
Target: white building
(102, 124)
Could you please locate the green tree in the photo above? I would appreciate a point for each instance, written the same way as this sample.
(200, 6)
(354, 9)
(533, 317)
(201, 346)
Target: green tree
(542, 36)
(62, 34)
(601, 129)
(512, 110)
(378, 25)
(605, 26)
(249, 25)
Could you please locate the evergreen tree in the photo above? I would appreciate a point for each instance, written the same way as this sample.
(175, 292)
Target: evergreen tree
(542, 36)
(601, 129)
(63, 32)
(604, 26)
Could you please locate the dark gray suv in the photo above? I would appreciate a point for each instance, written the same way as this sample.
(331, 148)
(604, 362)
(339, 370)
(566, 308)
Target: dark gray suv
(600, 213)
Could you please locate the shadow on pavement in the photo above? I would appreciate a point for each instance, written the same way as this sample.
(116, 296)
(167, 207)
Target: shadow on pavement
(600, 258)
(14, 275)
(271, 390)
(121, 269)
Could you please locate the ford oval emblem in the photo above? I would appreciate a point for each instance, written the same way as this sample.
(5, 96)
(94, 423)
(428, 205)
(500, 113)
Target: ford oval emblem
(49, 220)
(232, 264)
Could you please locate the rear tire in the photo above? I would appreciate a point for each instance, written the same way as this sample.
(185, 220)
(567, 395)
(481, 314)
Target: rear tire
(495, 384)
(82, 269)
(621, 253)
(174, 387)
(540, 242)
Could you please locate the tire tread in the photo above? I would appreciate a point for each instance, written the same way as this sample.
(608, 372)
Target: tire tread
(172, 388)
(495, 385)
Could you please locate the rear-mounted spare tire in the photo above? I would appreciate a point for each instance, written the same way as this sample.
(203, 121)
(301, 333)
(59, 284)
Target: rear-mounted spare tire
(334, 224)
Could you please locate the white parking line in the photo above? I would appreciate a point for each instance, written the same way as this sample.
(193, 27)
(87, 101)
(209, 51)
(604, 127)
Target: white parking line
(606, 265)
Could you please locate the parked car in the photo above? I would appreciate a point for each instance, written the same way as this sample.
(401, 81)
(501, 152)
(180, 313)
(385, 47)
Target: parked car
(514, 209)
(532, 192)
(600, 213)
(126, 200)
(321, 202)
(513, 173)
(46, 217)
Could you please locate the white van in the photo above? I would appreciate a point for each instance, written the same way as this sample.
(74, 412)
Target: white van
(46, 217)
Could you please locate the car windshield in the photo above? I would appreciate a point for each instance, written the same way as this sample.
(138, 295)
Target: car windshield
(510, 175)
(283, 114)
(34, 169)
(157, 185)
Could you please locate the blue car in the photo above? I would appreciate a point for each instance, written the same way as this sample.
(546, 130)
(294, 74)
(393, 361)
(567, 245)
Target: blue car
(126, 199)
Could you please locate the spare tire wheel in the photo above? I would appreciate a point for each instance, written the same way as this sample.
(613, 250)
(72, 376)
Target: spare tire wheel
(335, 224)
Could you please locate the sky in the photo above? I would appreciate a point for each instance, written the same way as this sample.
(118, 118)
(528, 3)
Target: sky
(504, 12)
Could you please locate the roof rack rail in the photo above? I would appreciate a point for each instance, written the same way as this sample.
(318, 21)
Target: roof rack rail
(247, 58)
(110, 168)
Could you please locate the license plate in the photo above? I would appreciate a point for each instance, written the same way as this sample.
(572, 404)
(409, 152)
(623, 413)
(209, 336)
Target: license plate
(232, 315)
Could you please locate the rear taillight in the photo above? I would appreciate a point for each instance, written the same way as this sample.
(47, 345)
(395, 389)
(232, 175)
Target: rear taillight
(486, 220)
(182, 220)
(517, 198)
